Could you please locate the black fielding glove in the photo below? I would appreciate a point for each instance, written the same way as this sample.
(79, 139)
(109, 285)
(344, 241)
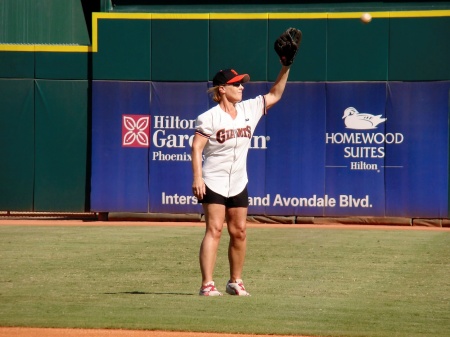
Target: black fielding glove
(287, 44)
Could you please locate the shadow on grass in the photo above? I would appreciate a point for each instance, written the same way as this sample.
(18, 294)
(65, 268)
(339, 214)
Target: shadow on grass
(146, 293)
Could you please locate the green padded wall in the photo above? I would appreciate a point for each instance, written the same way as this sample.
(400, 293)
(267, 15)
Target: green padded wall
(16, 144)
(61, 145)
(69, 66)
(123, 50)
(45, 89)
(419, 49)
(239, 44)
(184, 57)
(311, 60)
(357, 51)
(334, 48)
(43, 21)
(16, 64)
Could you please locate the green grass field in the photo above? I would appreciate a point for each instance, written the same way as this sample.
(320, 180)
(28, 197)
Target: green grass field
(324, 282)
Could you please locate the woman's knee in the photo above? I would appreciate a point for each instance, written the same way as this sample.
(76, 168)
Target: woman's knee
(237, 223)
(237, 231)
(214, 232)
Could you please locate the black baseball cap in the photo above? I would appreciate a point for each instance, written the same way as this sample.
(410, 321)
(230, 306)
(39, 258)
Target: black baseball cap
(229, 76)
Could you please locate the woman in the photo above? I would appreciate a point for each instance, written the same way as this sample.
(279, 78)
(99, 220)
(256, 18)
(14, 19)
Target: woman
(223, 135)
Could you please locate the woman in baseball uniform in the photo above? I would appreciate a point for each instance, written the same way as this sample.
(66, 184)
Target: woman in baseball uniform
(223, 135)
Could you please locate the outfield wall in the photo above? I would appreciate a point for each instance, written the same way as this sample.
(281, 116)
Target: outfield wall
(147, 64)
(308, 157)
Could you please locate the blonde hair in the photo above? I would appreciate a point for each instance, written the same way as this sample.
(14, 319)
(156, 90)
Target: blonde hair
(214, 93)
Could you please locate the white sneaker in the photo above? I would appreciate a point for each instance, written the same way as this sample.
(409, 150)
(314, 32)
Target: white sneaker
(237, 288)
(209, 290)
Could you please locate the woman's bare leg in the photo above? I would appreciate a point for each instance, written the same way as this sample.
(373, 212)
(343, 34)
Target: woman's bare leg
(215, 218)
(237, 226)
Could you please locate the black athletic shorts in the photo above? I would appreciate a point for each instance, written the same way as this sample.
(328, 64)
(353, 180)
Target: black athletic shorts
(240, 200)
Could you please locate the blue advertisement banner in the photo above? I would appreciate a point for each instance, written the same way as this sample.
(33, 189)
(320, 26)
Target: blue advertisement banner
(326, 149)
(417, 170)
(295, 162)
(174, 109)
(354, 147)
(120, 142)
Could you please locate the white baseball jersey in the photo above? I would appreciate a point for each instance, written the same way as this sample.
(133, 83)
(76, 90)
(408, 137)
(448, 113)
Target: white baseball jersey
(225, 165)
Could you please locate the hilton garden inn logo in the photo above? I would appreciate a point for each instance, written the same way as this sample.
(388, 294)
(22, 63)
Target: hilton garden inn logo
(135, 131)
(365, 149)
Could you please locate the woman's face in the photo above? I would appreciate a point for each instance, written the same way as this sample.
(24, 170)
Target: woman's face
(234, 92)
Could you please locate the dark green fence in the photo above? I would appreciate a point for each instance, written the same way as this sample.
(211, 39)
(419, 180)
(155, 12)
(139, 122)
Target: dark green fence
(48, 59)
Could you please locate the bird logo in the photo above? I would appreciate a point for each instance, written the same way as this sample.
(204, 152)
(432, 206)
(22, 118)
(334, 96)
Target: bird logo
(361, 121)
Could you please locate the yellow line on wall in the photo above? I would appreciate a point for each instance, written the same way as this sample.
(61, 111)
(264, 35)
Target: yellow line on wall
(391, 14)
(180, 16)
(45, 48)
(419, 14)
(124, 16)
(288, 16)
(17, 47)
(356, 15)
(239, 16)
(210, 16)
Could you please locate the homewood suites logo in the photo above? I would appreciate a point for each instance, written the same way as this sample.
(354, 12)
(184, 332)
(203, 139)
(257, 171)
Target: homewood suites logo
(365, 150)
(361, 121)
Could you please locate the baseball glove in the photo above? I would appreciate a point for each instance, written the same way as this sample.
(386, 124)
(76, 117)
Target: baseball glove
(287, 45)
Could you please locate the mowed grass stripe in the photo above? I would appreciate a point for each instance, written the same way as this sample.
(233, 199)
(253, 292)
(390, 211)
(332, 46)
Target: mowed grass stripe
(327, 282)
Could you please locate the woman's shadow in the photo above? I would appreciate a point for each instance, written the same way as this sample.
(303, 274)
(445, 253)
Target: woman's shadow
(136, 292)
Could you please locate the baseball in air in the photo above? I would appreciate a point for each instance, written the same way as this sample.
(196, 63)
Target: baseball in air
(366, 17)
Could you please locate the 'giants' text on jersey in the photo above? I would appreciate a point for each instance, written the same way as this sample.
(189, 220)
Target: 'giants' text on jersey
(223, 135)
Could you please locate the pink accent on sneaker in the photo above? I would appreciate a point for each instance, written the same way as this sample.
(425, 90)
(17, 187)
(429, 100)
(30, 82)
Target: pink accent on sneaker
(209, 290)
(237, 288)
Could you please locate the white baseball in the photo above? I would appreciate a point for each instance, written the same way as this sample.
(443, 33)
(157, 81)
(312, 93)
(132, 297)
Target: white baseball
(366, 17)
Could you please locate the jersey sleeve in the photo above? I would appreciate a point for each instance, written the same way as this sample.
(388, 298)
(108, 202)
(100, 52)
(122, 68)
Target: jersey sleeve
(255, 107)
(203, 125)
